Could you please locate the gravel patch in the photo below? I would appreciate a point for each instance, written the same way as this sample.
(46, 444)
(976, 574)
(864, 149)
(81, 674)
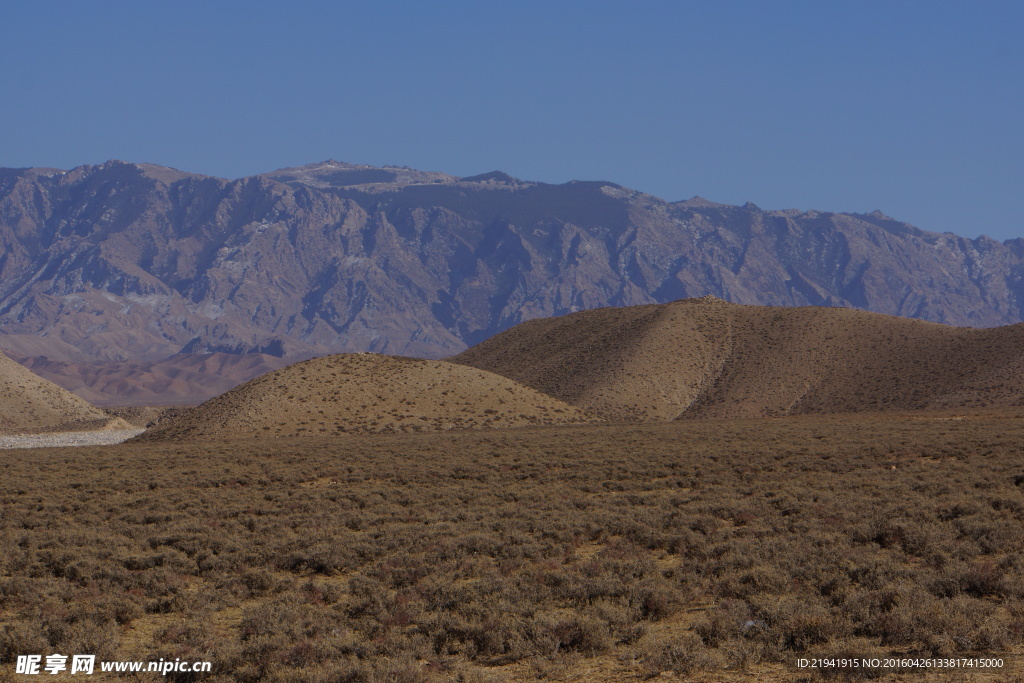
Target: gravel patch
(106, 437)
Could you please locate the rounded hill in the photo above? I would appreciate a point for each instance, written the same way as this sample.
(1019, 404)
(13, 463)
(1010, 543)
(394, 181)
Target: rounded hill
(29, 403)
(367, 393)
(710, 358)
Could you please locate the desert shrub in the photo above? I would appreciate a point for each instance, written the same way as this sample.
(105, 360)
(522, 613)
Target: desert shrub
(332, 559)
(651, 600)
(759, 579)
(622, 621)
(124, 610)
(584, 634)
(402, 669)
(796, 624)
(731, 619)
(258, 581)
(22, 638)
(983, 578)
(322, 558)
(740, 654)
(680, 655)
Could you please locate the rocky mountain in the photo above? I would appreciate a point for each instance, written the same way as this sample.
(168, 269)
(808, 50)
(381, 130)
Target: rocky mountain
(134, 262)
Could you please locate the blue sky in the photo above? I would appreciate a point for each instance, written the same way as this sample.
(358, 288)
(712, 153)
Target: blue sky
(913, 108)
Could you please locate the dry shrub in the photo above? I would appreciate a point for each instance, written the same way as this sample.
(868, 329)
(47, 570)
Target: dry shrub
(740, 654)
(730, 620)
(22, 638)
(795, 624)
(436, 555)
(403, 669)
(652, 601)
(680, 655)
(258, 581)
(584, 634)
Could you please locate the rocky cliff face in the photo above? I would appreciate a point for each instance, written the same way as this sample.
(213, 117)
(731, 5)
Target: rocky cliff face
(137, 262)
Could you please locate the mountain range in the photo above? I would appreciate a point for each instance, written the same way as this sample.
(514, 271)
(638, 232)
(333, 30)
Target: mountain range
(135, 263)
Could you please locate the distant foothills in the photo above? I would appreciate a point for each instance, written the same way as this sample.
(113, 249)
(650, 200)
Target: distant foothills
(123, 271)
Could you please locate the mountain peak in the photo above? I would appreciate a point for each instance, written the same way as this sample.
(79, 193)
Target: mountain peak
(164, 174)
(493, 176)
(699, 202)
(340, 174)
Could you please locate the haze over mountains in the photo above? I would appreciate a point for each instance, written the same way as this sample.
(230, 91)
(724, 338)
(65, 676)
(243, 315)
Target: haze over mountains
(183, 379)
(134, 262)
(693, 358)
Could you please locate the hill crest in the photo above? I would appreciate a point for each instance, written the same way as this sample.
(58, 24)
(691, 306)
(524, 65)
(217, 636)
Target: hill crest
(710, 358)
(367, 393)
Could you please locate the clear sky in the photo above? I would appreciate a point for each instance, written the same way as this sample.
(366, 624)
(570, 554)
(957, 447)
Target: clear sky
(913, 108)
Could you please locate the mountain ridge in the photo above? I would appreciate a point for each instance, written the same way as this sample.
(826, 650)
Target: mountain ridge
(124, 262)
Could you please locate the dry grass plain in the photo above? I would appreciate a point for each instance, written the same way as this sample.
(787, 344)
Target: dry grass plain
(710, 550)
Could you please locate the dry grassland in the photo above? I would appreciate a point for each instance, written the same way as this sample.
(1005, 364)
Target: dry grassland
(697, 550)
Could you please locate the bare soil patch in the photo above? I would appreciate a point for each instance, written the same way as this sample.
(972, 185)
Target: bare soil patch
(99, 437)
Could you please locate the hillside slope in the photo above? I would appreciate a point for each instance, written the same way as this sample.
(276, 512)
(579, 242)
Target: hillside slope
(367, 393)
(710, 358)
(29, 403)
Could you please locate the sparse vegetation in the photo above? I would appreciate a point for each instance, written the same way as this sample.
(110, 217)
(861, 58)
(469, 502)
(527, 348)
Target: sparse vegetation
(30, 404)
(708, 358)
(359, 393)
(699, 548)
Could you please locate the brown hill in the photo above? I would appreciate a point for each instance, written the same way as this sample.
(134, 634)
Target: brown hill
(360, 393)
(709, 358)
(29, 403)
